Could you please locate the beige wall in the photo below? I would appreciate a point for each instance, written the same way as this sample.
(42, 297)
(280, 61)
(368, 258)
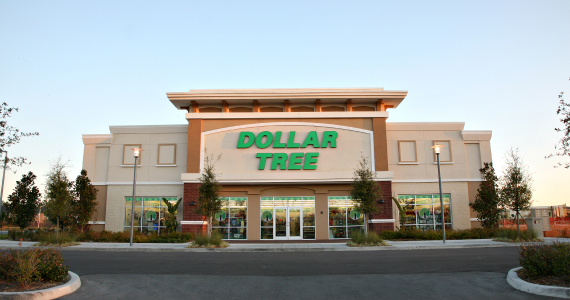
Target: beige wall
(424, 134)
(101, 203)
(350, 146)
(116, 201)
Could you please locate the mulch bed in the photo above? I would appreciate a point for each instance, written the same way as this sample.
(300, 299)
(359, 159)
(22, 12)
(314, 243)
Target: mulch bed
(6, 286)
(562, 281)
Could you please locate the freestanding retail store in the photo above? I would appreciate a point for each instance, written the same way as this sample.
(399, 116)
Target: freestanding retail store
(287, 163)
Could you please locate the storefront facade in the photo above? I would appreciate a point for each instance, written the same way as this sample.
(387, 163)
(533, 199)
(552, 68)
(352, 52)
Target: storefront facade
(286, 165)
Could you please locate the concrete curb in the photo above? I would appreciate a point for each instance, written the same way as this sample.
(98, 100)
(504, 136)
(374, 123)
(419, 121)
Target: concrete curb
(55, 292)
(537, 289)
(269, 249)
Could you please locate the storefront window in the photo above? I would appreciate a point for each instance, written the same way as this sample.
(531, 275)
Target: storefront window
(344, 219)
(231, 220)
(149, 213)
(424, 211)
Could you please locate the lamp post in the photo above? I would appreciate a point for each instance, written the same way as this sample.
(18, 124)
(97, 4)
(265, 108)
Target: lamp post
(437, 149)
(137, 152)
(2, 189)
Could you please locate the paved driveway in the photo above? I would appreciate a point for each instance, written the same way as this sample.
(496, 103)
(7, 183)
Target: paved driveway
(469, 273)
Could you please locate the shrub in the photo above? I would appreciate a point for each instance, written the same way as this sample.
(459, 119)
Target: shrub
(24, 266)
(67, 237)
(503, 234)
(513, 235)
(124, 237)
(213, 241)
(61, 239)
(545, 260)
(358, 239)
(51, 266)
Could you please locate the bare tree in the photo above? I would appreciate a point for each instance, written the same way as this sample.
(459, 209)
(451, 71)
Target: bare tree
(516, 185)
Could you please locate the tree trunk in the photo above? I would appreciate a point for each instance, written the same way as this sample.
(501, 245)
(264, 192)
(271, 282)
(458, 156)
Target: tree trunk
(517, 217)
(365, 225)
(210, 227)
(57, 230)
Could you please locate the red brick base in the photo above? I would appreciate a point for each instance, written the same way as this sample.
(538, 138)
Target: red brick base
(188, 214)
(191, 195)
(384, 209)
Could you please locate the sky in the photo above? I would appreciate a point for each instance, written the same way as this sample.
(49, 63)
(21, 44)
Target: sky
(77, 67)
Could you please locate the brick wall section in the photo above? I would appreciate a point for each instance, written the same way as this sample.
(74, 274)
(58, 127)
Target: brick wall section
(188, 214)
(384, 209)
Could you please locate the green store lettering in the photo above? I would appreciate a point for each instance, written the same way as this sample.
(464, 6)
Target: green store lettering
(284, 161)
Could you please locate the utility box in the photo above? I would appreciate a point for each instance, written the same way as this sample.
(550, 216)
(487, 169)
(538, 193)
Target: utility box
(541, 213)
(536, 224)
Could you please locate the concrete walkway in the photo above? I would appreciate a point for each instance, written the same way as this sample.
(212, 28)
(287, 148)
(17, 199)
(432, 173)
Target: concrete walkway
(252, 247)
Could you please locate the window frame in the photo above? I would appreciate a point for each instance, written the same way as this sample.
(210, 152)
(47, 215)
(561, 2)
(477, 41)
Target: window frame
(158, 157)
(416, 212)
(139, 160)
(400, 151)
(229, 226)
(435, 142)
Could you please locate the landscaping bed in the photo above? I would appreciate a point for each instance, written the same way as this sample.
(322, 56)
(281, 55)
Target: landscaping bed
(545, 264)
(67, 238)
(562, 281)
(27, 270)
(498, 234)
(6, 286)
(212, 241)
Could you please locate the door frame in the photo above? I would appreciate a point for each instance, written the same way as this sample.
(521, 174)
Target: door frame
(288, 223)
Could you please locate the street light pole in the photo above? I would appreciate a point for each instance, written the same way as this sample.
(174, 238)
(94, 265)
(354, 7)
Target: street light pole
(2, 190)
(437, 150)
(136, 153)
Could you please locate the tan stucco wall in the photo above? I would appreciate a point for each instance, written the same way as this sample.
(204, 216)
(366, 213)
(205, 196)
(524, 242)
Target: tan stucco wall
(116, 201)
(424, 134)
(208, 125)
(101, 203)
(148, 170)
(460, 211)
(242, 161)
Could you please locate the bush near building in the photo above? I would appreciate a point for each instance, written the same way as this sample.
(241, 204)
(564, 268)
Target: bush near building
(545, 259)
(503, 234)
(36, 265)
(68, 238)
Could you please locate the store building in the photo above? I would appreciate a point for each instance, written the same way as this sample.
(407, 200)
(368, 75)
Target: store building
(287, 162)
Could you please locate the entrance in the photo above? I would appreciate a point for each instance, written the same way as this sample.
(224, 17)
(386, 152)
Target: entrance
(288, 218)
(288, 223)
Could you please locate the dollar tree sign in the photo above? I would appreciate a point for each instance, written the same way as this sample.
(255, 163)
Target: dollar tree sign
(266, 216)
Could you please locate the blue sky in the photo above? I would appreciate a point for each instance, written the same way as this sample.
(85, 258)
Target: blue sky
(76, 67)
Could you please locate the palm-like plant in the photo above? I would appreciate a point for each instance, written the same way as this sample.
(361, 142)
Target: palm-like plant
(170, 218)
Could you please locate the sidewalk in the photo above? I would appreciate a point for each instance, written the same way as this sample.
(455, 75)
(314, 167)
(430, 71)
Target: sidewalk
(272, 247)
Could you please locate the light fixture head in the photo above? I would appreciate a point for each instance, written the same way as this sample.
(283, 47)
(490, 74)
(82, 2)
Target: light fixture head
(437, 148)
(137, 151)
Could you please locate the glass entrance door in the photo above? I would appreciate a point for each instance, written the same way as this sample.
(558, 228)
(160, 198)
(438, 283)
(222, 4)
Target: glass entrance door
(288, 223)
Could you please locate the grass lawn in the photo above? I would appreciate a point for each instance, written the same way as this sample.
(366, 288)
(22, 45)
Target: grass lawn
(3, 236)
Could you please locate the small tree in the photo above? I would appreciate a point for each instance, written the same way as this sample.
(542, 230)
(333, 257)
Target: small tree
(10, 135)
(487, 202)
(516, 189)
(58, 193)
(401, 212)
(170, 218)
(209, 201)
(84, 205)
(24, 202)
(563, 146)
(365, 191)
